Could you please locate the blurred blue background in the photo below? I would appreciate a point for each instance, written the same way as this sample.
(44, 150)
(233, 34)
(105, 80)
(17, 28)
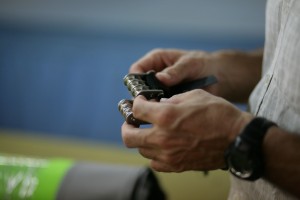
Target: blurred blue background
(62, 62)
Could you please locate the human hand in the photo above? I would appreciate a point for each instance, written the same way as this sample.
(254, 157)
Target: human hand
(237, 72)
(173, 66)
(190, 131)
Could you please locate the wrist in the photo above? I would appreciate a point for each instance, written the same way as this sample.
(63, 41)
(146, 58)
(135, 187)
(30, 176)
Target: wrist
(238, 125)
(245, 155)
(237, 72)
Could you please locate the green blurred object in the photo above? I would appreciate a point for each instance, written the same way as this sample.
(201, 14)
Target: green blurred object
(31, 178)
(24, 178)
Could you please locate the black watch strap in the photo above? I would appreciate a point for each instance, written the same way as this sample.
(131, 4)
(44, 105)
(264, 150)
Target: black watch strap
(256, 130)
(248, 147)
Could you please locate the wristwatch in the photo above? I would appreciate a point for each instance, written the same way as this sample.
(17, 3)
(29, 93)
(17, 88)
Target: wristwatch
(244, 156)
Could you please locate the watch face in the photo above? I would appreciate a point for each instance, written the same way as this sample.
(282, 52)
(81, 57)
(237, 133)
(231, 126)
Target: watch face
(241, 167)
(240, 162)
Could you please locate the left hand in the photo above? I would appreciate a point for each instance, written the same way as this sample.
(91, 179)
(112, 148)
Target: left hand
(190, 131)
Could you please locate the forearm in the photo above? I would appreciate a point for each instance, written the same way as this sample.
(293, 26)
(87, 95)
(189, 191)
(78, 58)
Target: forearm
(238, 74)
(282, 159)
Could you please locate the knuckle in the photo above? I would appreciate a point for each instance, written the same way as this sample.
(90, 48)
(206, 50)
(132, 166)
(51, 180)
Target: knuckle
(156, 51)
(190, 60)
(128, 140)
(166, 116)
(136, 109)
(197, 92)
(137, 113)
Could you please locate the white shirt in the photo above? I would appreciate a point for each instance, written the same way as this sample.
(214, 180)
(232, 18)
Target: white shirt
(277, 95)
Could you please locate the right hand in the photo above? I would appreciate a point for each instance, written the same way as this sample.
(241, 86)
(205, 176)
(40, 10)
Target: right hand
(231, 68)
(190, 131)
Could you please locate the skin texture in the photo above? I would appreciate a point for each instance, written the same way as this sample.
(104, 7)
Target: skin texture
(192, 130)
(237, 72)
(184, 129)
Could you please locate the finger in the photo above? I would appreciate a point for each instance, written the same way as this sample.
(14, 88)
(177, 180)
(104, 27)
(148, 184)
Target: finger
(186, 68)
(136, 137)
(172, 75)
(156, 60)
(196, 93)
(163, 167)
(153, 112)
(151, 61)
(150, 153)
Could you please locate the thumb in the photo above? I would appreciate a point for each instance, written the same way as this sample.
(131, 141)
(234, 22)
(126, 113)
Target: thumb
(188, 67)
(172, 75)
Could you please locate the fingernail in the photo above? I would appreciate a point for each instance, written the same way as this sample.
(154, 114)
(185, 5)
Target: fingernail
(164, 75)
(163, 99)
